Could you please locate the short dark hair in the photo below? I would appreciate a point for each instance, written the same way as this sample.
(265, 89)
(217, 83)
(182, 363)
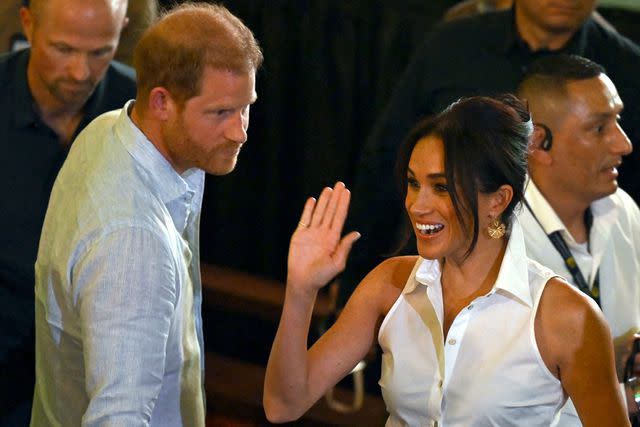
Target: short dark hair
(485, 146)
(554, 71)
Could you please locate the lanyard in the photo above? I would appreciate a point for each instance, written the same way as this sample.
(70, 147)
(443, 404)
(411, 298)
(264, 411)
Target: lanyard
(569, 261)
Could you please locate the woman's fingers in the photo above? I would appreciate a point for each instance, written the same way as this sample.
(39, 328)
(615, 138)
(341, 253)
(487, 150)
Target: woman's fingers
(307, 212)
(341, 210)
(330, 210)
(321, 206)
(344, 247)
(332, 206)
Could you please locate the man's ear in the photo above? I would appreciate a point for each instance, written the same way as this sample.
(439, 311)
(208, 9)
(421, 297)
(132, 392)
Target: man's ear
(161, 104)
(26, 20)
(540, 145)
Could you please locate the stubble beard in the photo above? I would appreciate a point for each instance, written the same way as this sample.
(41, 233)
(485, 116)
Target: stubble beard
(69, 97)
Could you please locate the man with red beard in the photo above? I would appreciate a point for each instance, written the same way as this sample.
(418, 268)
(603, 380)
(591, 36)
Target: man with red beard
(48, 93)
(118, 292)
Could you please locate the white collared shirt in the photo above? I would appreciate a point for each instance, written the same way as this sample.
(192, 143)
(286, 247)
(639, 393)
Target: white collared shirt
(488, 370)
(614, 243)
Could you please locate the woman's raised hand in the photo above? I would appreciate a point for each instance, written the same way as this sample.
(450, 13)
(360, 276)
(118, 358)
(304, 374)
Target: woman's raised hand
(317, 252)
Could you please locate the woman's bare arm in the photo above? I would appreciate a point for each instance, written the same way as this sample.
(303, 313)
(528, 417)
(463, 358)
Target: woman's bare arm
(576, 344)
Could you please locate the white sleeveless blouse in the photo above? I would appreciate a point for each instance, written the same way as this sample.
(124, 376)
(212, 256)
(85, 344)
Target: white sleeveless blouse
(489, 371)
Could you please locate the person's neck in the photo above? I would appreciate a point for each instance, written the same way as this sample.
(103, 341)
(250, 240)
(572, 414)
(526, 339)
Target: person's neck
(466, 279)
(151, 129)
(538, 37)
(570, 210)
(63, 119)
(475, 275)
(145, 126)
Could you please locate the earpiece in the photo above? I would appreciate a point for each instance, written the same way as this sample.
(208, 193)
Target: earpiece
(547, 142)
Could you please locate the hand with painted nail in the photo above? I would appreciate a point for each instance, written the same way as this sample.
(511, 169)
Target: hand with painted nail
(318, 252)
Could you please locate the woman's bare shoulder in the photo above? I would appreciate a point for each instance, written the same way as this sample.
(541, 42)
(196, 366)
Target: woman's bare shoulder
(566, 318)
(385, 282)
(565, 304)
(392, 272)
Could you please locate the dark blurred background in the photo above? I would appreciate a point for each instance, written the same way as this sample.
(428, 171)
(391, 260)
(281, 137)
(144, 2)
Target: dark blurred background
(330, 66)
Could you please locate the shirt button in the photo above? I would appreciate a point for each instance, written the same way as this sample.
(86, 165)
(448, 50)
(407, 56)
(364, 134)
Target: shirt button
(440, 384)
(452, 341)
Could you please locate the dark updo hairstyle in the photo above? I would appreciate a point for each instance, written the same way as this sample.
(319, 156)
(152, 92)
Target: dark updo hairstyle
(485, 146)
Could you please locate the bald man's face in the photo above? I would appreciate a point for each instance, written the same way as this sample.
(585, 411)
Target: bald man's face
(72, 44)
(588, 142)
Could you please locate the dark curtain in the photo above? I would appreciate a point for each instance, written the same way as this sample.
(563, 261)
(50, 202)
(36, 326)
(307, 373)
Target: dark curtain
(329, 68)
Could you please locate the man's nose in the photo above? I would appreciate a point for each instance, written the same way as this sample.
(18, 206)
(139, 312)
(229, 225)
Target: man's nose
(621, 144)
(79, 67)
(237, 130)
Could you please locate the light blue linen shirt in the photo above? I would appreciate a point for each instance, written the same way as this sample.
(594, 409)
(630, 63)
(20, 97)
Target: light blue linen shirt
(118, 291)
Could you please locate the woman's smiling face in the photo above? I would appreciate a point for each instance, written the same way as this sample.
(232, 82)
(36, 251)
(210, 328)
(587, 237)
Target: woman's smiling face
(439, 233)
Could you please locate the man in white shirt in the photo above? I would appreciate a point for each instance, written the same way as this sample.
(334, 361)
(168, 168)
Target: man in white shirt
(118, 291)
(576, 220)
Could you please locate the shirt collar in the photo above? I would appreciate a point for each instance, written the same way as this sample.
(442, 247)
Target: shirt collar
(427, 273)
(24, 114)
(511, 38)
(161, 175)
(513, 277)
(543, 211)
(604, 211)
(512, 41)
(95, 104)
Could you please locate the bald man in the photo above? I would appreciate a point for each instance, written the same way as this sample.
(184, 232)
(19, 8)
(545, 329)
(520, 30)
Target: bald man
(118, 293)
(576, 220)
(48, 93)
